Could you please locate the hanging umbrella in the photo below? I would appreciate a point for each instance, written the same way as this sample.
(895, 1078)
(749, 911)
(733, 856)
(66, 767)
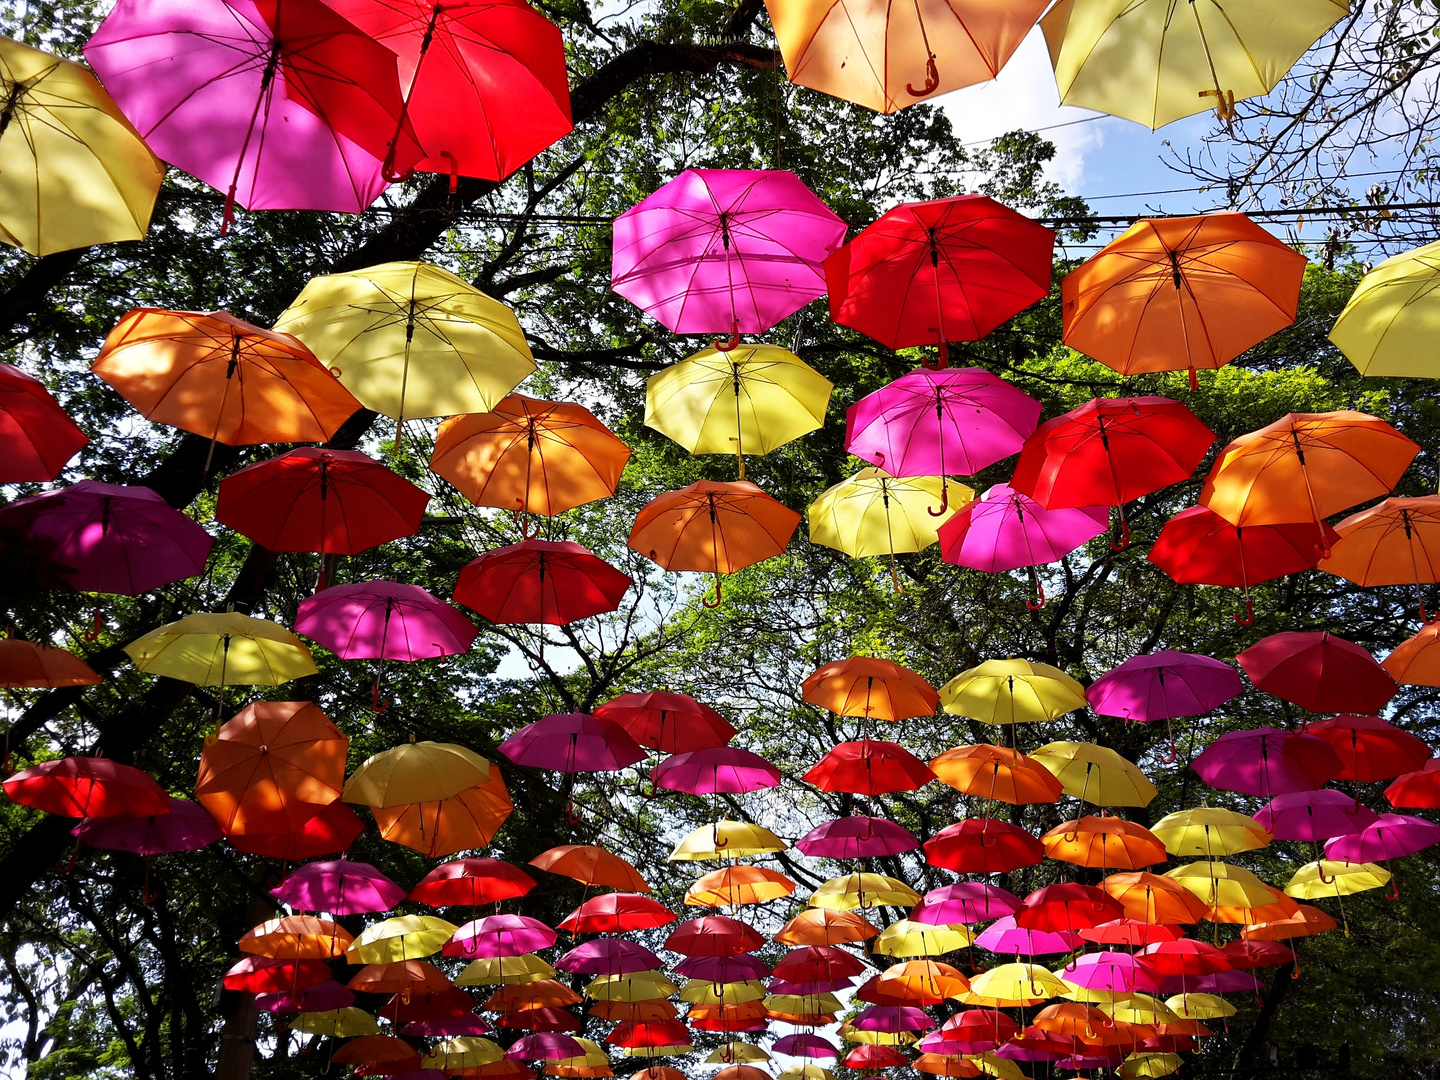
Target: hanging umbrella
(185, 827)
(530, 456)
(1316, 880)
(1171, 294)
(440, 827)
(1210, 831)
(905, 939)
(1416, 661)
(287, 113)
(1003, 936)
(263, 974)
(108, 538)
(869, 686)
(723, 770)
(639, 986)
(415, 772)
(1314, 816)
(1396, 542)
(339, 1023)
(732, 886)
(1267, 761)
(573, 743)
(271, 768)
(997, 772)
(724, 251)
(869, 767)
(37, 436)
(1012, 986)
(922, 982)
(411, 340)
(1134, 932)
(1163, 686)
(333, 829)
(1388, 319)
(540, 581)
(1221, 886)
(928, 273)
(608, 956)
(1109, 452)
(1067, 906)
(874, 513)
(747, 399)
(296, 937)
(726, 840)
(1108, 842)
(806, 1045)
(591, 865)
(400, 938)
(341, 888)
(856, 837)
(226, 649)
(983, 846)
(1110, 972)
(461, 1052)
(77, 174)
(613, 913)
(86, 787)
(505, 971)
(1419, 789)
(29, 665)
(825, 926)
(386, 1052)
(1370, 748)
(966, 902)
(455, 1026)
(725, 969)
(1319, 672)
(500, 935)
(668, 722)
(1144, 62)
(818, 963)
(1012, 692)
(1389, 836)
(861, 892)
(383, 620)
(868, 1059)
(1304, 922)
(1096, 774)
(713, 935)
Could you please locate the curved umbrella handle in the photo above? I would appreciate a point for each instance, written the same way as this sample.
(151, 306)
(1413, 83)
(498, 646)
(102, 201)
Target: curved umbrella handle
(1171, 759)
(1320, 870)
(376, 705)
(942, 355)
(1393, 893)
(705, 600)
(1323, 550)
(69, 864)
(932, 80)
(1124, 541)
(571, 818)
(944, 502)
(732, 342)
(93, 633)
(1424, 615)
(1249, 617)
(1039, 601)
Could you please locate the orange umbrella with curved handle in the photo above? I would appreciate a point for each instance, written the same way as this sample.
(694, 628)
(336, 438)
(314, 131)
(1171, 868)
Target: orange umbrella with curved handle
(1396, 542)
(591, 865)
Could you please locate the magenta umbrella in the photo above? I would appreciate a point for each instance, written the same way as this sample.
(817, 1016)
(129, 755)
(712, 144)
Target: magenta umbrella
(1235, 981)
(1164, 685)
(938, 1043)
(608, 956)
(721, 770)
(1314, 816)
(108, 538)
(573, 743)
(1003, 936)
(891, 1019)
(384, 620)
(723, 969)
(1005, 530)
(856, 837)
(807, 1046)
(340, 887)
(321, 997)
(447, 1026)
(544, 1046)
(1267, 761)
(724, 251)
(1390, 836)
(1117, 972)
(187, 827)
(500, 935)
(282, 106)
(966, 902)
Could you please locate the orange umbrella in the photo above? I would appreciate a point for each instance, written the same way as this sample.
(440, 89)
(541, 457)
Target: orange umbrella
(25, 664)
(801, 1019)
(444, 826)
(1396, 542)
(1186, 292)
(643, 1012)
(1305, 922)
(271, 768)
(1109, 842)
(1416, 660)
(400, 977)
(533, 457)
(591, 865)
(726, 1017)
(1077, 1020)
(870, 687)
(297, 937)
(1152, 898)
(825, 926)
(731, 886)
(540, 994)
(922, 982)
(395, 1054)
(945, 1065)
(1282, 908)
(1305, 467)
(713, 528)
(220, 377)
(996, 772)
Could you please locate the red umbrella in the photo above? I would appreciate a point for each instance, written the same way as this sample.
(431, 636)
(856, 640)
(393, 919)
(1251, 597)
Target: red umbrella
(983, 846)
(540, 581)
(265, 974)
(573, 743)
(671, 723)
(1184, 956)
(818, 963)
(874, 1056)
(546, 1019)
(1249, 955)
(1418, 790)
(869, 767)
(1067, 906)
(87, 787)
(1370, 748)
(1199, 547)
(37, 438)
(329, 832)
(1319, 672)
(1110, 451)
(617, 913)
(928, 273)
(642, 1034)
(714, 935)
(471, 882)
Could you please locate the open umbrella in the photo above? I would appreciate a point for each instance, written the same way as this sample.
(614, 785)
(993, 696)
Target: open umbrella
(33, 666)
(1012, 692)
(826, 926)
(540, 581)
(608, 956)
(1416, 660)
(722, 770)
(383, 620)
(1210, 831)
(1003, 936)
(415, 772)
(471, 882)
(905, 939)
(1314, 816)
(983, 845)
(573, 743)
(333, 829)
(224, 649)
(966, 902)
(669, 722)
(996, 772)
(861, 892)
(1419, 789)
(1389, 836)
(1395, 542)
(1370, 748)
(1108, 842)
(874, 513)
(1163, 686)
(37, 436)
(296, 937)
(1267, 762)
(869, 686)
(1319, 672)
(713, 935)
(87, 787)
(186, 827)
(856, 837)
(869, 767)
(612, 913)
(1096, 774)
(1389, 318)
(726, 840)
(339, 887)
(500, 935)
(591, 865)
(440, 827)
(732, 886)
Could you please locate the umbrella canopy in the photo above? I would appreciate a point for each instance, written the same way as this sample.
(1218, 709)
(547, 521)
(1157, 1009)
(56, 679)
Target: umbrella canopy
(856, 837)
(726, 840)
(289, 113)
(108, 538)
(713, 935)
(296, 937)
(826, 926)
(1111, 972)
(339, 1023)
(1267, 761)
(1314, 816)
(861, 892)
(341, 888)
(1096, 774)
(1139, 61)
(1306, 921)
(86, 787)
(1005, 530)
(869, 767)
(922, 982)
(30, 665)
(540, 581)
(591, 865)
(37, 436)
(1108, 842)
(608, 956)
(441, 827)
(1067, 906)
(572, 743)
(333, 829)
(983, 845)
(1210, 831)
(383, 620)
(400, 938)
(1319, 672)
(997, 772)
(415, 772)
(874, 513)
(733, 886)
(411, 340)
(966, 902)
(1171, 294)
(505, 971)
(904, 938)
(500, 935)
(1419, 789)
(1012, 692)
(1004, 936)
(640, 986)
(271, 768)
(1370, 748)
(1164, 685)
(226, 649)
(722, 770)
(1389, 317)
(264, 974)
(1416, 660)
(724, 251)
(186, 827)
(1012, 985)
(668, 722)
(1220, 885)
(869, 686)
(1389, 836)
(530, 456)
(1319, 879)
(1396, 542)
(927, 273)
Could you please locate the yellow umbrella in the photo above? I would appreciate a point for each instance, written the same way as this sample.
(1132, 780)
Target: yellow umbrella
(655, 1051)
(462, 1052)
(1148, 1066)
(1140, 1009)
(1012, 692)
(805, 1072)
(1155, 61)
(1315, 881)
(73, 171)
(850, 1033)
(223, 649)
(411, 340)
(750, 400)
(404, 937)
(636, 986)
(1391, 321)
(1012, 986)
(862, 892)
(1200, 1006)
(1000, 1067)
(1221, 885)
(594, 1055)
(1210, 831)
(415, 772)
(505, 971)
(905, 938)
(736, 1053)
(705, 992)
(1096, 774)
(727, 840)
(336, 1023)
(797, 1004)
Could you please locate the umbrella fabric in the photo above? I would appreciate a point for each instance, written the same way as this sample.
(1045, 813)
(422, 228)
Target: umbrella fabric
(530, 456)
(1222, 886)
(997, 772)
(870, 1058)
(713, 935)
(333, 829)
(927, 273)
(1395, 542)
(400, 938)
(440, 827)
(109, 538)
(1213, 830)
(372, 1050)
(869, 686)
(874, 513)
(983, 846)
(411, 340)
(1267, 762)
(1389, 836)
(1133, 932)
(484, 81)
(735, 885)
(341, 888)
(1164, 685)
(1319, 672)
(669, 722)
(327, 1009)
(1096, 774)
(718, 251)
(904, 938)
(935, 423)
(1108, 842)
(336, 502)
(724, 969)
(1419, 789)
(1388, 319)
(500, 935)
(383, 620)
(615, 913)
(86, 787)
(1416, 660)
(261, 974)
(1067, 906)
(723, 770)
(591, 865)
(1005, 530)
(1142, 62)
(1320, 879)
(271, 768)
(471, 882)
(806, 1045)
(869, 767)
(186, 827)
(37, 436)
(856, 837)
(540, 581)
(296, 937)
(1152, 899)
(1012, 692)
(415, 772)
(816, 963)
(572, 743)
(608, 956)
(1114, 972)
(922, 982)
(1314, 816)
(726, 840)
(1370, 748)
(966, 902)
(227, 649)
(1305, 922)
(1171, 294)
(1003, 936)
(826, 926)
(33, 666)
(280, 107)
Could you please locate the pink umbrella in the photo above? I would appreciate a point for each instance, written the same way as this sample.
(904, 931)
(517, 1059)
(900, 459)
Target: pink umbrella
(608, 956)
(321, 997)
(544, 1046)
(1314, 816)
(807, 1046)
(856, 837)
(447, 1026)
(938, 1043)
(187, 827)
(1164, 685)
(723, 969)
(572, 743)
(1389, 836)
(722, 770)
(1221, 982)
(1117, 972)
(814, 986)
(1005, 530)
(966, 902)
(340, 887)
(500, 935)
(719, 251)
(1003, 936)
(281, 106)
(383, 620)
(107, 538)
(1267, 761)
(891, 1019)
